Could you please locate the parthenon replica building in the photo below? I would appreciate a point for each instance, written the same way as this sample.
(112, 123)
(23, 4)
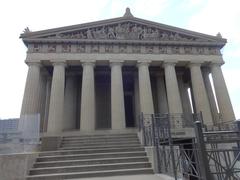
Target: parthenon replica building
(102, 75)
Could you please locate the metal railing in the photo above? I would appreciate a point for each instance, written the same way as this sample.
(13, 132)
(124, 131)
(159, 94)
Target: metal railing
(212, 154)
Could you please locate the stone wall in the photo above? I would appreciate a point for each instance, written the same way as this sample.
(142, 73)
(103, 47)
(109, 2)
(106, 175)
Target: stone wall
(16, 166)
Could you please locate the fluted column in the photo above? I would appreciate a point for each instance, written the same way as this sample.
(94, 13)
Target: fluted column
(47, 103)
(70, 103)
(186, 105)
(173, 95)
(200, 94)
(117, 97)
(87, 121)
(224, 102)
(55, 118)
(210, 94)
(145, 91)
(30, 103)
(162, 95)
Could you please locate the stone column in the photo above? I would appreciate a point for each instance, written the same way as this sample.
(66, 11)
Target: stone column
(117, 97)
(200, 94)
(224, 102)
(162, 95)
(173, 95)
(87, 122)
(30, 103)
(183, 88)
(42, 98)
(70, 103)
(145, 91)
(212, 102)
(55, 117)
(47, 103)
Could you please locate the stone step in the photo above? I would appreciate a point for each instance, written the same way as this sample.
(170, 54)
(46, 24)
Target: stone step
(90, 151)
(99, 143)
(100, 136)
(84, 168)
(98, 147)
(100, 140)
(90, 161)
(90, 156)
(118, 172)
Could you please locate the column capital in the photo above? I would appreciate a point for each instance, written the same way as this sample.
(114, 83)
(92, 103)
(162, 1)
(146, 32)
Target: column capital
(88, 63)
(215, 64)
(143, 63)
(59, 63)
(116, 63)
(34, 64)
(194, 64)
(169, 64)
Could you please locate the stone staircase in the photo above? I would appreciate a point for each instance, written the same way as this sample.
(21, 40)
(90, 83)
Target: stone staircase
(92, 156)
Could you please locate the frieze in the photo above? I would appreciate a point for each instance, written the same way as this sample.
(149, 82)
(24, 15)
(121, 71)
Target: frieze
(126, 31)
(110, 48)
(52, 48)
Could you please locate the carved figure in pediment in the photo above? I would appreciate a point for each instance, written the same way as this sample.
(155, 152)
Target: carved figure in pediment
(111, 33)
(136, 49)
(94, 48)
(52, 48)
(177, 37)
(119, 32)
(81, 48)
(188, 50)
(149, 34)
(108, 48)
(133, 34)
(100, 33)
(37, 47)
(122, 48)
(162, 50)
(164, 36)
(66, 48)
(89, 34)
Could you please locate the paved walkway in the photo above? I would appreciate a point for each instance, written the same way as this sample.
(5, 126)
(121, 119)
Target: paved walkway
(132, 177)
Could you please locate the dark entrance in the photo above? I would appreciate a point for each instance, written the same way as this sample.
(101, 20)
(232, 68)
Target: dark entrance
(128, 87)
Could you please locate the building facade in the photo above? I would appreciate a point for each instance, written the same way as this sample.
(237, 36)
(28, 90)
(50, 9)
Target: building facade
(102, 75)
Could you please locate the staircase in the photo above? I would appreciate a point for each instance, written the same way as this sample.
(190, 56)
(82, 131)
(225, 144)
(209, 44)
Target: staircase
(92, 156)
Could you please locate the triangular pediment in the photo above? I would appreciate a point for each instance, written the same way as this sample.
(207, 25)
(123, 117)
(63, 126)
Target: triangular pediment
(123, 29)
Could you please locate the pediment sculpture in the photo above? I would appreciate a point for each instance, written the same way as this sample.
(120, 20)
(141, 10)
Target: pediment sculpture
(126, 31)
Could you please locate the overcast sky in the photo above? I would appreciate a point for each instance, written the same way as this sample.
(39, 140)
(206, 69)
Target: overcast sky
(206, 16)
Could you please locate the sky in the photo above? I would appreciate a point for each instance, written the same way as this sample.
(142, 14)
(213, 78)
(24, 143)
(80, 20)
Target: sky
(205, 16)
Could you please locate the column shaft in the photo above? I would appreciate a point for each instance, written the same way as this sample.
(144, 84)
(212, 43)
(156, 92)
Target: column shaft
(87, 122)
(162, 95)
(224, 102)
(183, 88)
(47, 103)
(145, 91)
(55, 118)
(117, 97)
(173, 95)
(211, 98)
(200, 94)
(31, 94)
